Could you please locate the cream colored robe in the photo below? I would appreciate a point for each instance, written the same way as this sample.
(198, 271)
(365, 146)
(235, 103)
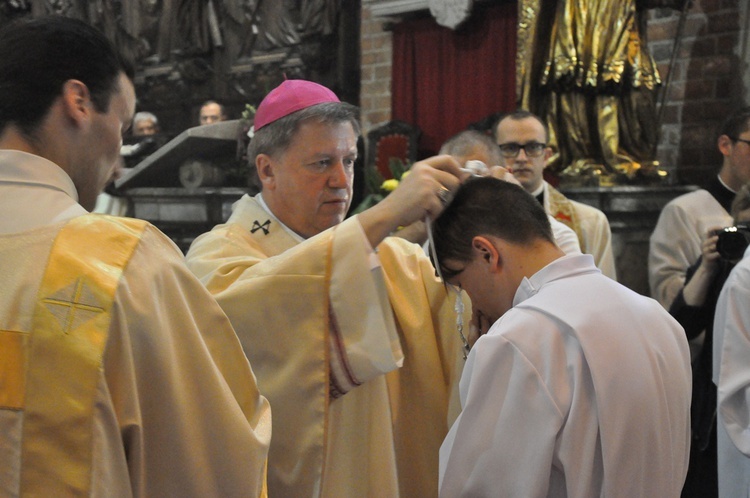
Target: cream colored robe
(675, 244)
(315, 318)
(731, 374)
(176, 410)
(590, 224)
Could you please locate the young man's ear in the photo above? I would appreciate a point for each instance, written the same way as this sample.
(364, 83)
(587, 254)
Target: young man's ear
(725, 144)
(486, 252)
(265, 168)
(548, 153)
(76, 101)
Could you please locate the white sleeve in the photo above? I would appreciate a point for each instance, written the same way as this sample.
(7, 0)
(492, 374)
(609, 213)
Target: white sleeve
(597, 237)
(731, 351)
(565, 238)
(673, 247)
(602, 246)
(503, 442)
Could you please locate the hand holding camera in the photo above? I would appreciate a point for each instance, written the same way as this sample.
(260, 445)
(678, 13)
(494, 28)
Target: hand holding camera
(732, 242)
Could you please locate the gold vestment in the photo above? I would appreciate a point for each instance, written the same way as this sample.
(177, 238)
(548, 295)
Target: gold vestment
(381, 438)
(584, 67)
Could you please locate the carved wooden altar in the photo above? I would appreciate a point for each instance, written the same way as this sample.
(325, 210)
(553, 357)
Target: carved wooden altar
(234, 51)
(190, 51)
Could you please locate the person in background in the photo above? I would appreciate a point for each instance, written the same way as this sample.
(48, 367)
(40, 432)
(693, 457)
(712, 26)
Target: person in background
(694, 308)
(119, 373)
(145, 124)
(145, 129)
(676, 241)
(353, 338)
(471, 145)
(522, 138)
(581, 387)
(731, 329)
(211, 112)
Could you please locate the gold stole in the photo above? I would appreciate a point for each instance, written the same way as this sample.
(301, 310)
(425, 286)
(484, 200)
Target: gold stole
(63, 354)
(562, 210)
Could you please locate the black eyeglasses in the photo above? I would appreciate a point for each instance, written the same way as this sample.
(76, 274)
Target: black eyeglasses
(740, 140)
(532, 149)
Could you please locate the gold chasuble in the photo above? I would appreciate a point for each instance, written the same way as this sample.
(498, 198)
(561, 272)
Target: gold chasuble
(322, 326)
(62, 357)
(562, 210)
(584, 67)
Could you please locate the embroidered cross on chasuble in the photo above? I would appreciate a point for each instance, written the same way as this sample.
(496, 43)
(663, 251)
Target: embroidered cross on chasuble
(52, 373)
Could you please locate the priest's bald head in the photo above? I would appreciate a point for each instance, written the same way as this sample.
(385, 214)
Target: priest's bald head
(303, 149)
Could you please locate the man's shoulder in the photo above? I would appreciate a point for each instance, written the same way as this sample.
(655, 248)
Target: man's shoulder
(582, 210)
(229, 242)
(696, 200)
(576, 291)
(586, 211)
(114, 227)
(695, 208)
(590, 218)
(618, 307)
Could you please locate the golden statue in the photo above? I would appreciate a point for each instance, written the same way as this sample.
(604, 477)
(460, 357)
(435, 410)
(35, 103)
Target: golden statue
(584, 67)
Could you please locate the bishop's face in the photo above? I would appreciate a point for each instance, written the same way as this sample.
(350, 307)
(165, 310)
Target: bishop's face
(309, 185)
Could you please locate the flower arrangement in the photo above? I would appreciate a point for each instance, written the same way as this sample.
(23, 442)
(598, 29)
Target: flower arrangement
(378, 187)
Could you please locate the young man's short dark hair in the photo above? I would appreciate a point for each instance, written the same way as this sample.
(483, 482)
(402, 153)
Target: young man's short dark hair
(488, 206)
(38, 56)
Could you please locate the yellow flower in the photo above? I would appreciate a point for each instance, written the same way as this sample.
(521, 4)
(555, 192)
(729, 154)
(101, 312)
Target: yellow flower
(405, 173)
(389, 185)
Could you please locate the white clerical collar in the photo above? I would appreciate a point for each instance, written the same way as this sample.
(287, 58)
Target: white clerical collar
(297, 237)
(725, 185)
(538, 191)
(562, 267)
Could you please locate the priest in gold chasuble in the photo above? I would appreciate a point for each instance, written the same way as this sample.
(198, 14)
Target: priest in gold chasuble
(351, 335)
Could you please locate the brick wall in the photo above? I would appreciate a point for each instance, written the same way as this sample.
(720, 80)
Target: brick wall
(706, 84)
(376, 47)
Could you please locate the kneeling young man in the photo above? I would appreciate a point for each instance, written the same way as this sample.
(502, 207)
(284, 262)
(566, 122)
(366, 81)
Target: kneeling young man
(581, 387)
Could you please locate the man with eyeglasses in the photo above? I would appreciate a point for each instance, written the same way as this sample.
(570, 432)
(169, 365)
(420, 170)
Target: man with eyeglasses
(471, 145)
(684, 222)
(522, 138)
(685, 225)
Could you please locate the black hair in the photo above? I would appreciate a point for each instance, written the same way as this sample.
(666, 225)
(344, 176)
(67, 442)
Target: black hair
(37, 57)
(222, 108)
(518, 115)
(488, 206)
(736, 123)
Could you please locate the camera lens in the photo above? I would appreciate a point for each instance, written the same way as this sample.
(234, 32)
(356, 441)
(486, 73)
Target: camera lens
(733, 242)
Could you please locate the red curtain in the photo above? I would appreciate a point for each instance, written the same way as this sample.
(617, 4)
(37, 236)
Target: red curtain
(443, 80)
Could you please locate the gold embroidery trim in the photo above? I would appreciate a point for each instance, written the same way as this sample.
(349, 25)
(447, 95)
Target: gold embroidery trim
(12, 368)
(65, 351)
